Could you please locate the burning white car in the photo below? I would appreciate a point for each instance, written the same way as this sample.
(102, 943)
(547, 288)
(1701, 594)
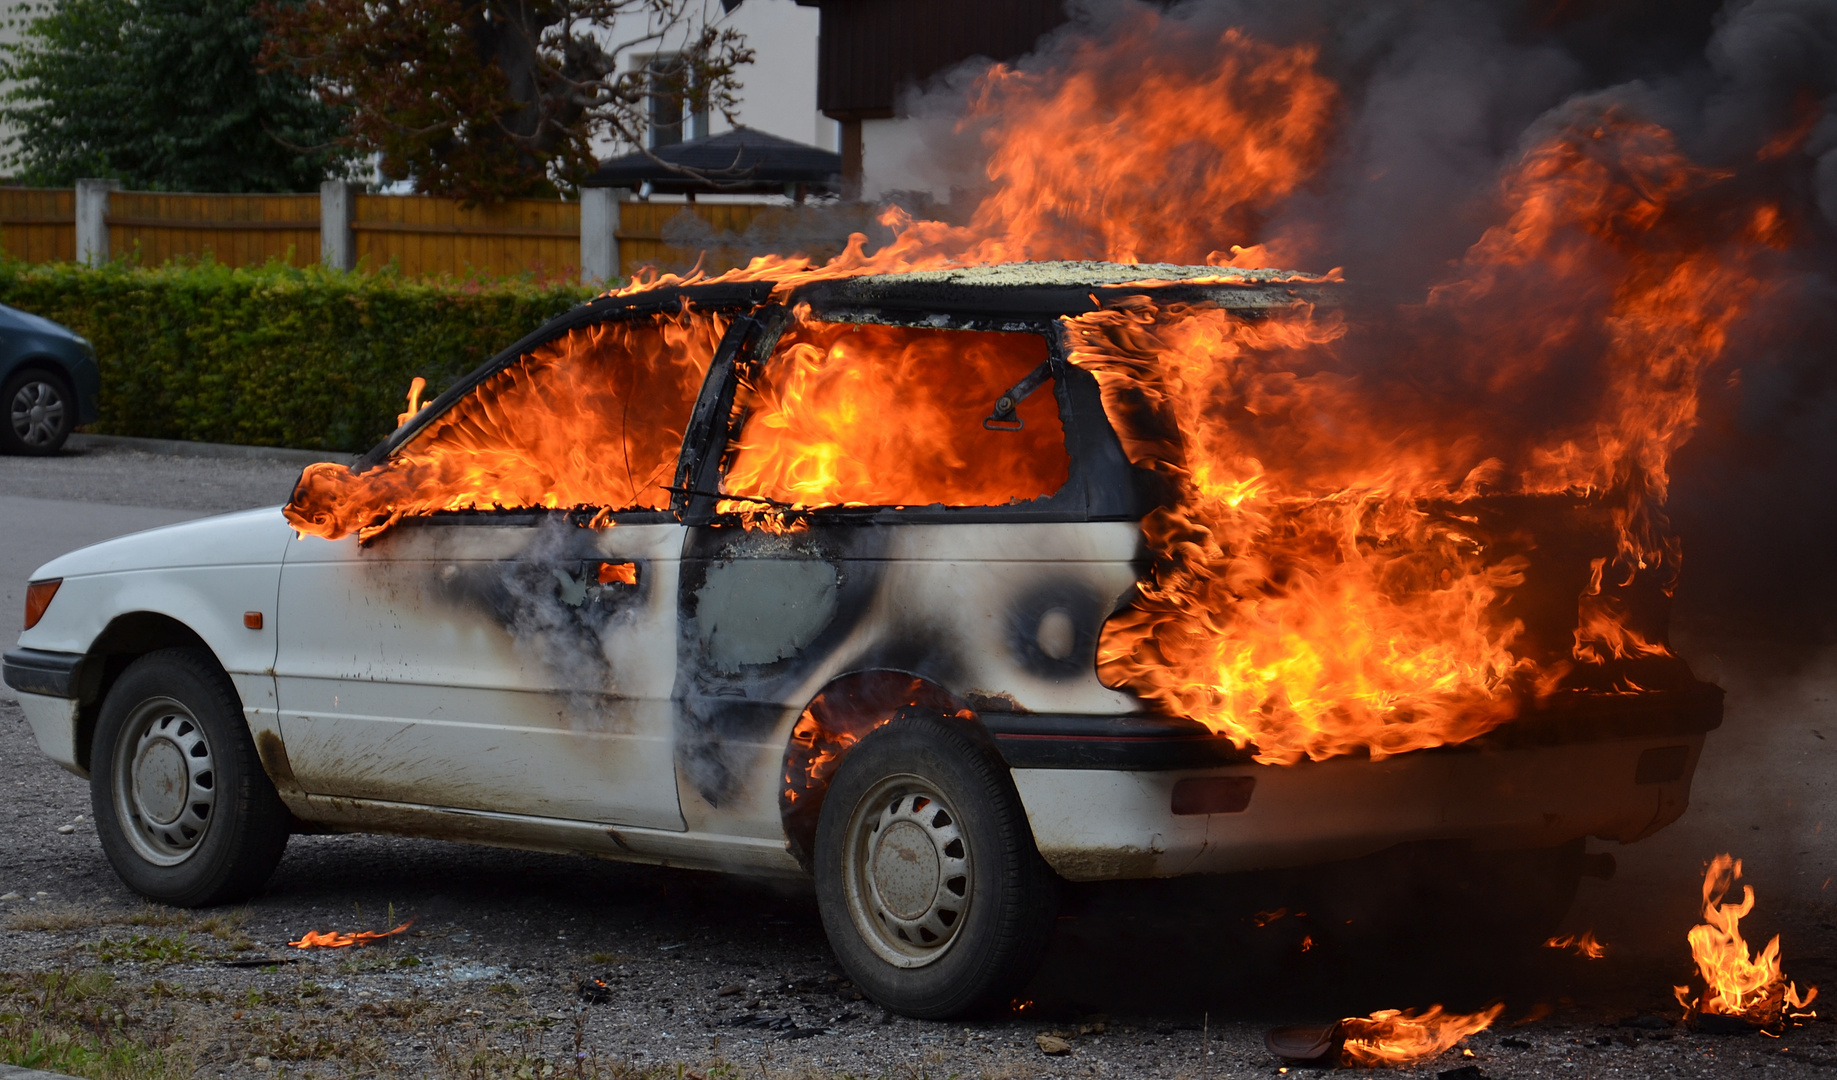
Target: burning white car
(939, 587)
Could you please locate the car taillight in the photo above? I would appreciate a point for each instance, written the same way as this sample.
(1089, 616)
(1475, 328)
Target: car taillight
(38, 598)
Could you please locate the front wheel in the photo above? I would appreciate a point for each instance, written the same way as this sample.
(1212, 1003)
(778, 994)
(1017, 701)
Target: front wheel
(41, 411)
(184, 811)
(932, 894)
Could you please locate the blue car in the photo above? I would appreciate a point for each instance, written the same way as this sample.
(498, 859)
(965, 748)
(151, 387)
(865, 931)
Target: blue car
(49, 383)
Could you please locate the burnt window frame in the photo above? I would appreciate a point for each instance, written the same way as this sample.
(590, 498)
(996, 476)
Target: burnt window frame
(1099, 483)
(736, 302)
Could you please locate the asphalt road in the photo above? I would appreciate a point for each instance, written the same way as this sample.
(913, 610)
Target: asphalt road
(1183, 982)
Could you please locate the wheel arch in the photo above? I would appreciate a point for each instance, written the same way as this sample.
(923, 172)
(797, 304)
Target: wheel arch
(39, 360)
(841, 714)
(127, 637)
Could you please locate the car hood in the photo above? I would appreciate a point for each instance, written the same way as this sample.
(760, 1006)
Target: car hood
(16, 320)
(249, 536)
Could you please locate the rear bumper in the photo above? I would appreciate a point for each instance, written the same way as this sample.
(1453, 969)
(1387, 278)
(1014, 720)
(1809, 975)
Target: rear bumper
(1152, 743)
(1140, 804)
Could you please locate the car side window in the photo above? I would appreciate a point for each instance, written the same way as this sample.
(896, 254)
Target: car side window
(593, 419)
(864, 414)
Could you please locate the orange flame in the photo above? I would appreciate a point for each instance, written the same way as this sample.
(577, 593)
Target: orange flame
(1583, 944)
(1737, 982)
(1129, 191)
(335, 939)
(817, 432)
(592, 419)
(1319, 589)
(1395, 1037)
(622, 573)
(415, 386)
(1322, 582)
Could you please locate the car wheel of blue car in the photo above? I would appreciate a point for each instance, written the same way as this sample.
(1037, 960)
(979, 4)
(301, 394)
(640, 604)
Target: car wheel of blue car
(41, 411)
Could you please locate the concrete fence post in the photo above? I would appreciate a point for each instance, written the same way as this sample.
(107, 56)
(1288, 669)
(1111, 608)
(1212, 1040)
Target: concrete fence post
(92, 220)
(599, 235)
(337, 244)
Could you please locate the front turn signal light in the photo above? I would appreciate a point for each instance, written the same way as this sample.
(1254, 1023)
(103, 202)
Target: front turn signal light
(38, 598)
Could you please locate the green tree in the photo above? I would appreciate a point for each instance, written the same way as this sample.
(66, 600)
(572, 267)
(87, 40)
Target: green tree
(162, 95)
(495, 99)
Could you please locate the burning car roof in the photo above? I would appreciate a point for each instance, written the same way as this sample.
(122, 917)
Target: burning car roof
(1034, 290)
(988, 296)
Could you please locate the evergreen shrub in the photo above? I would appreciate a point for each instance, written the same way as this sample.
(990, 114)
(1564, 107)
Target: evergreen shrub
(275, 355)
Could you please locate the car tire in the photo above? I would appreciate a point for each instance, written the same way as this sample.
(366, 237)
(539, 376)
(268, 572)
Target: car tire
(184, 811)
(40, 412)
(932, 894)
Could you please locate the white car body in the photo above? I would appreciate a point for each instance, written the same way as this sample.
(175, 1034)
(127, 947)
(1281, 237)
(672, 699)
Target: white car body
(376, 707)
(461, 677)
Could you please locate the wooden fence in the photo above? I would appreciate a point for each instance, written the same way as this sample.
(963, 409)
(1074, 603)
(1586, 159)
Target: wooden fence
(238, 230)
(427, 236)
(422, 235)
(39, 224)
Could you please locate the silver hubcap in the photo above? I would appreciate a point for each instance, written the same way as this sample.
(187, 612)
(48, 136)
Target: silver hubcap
(906, 869)
(38, 413)
(165, 781)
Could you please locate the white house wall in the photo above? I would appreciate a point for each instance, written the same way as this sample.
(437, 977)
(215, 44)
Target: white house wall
(778, 95)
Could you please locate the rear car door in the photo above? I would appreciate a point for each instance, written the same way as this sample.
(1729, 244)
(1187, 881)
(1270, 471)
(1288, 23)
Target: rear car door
(516, 656)
(897, 507)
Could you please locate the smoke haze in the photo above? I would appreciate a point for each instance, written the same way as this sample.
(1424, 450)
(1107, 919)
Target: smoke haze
(1434, 107)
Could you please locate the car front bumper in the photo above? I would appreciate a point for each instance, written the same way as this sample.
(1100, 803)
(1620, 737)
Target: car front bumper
(54, 723)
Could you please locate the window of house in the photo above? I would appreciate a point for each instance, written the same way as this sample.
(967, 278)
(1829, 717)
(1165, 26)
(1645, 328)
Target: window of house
(871, 415)
(667, 85)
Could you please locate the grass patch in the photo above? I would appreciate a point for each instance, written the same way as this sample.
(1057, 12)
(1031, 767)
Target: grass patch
(83, 1024)
(103, 1025)
(58, 918)
(55, 919)
(140, 949)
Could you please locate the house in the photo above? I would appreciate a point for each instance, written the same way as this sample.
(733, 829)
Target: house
(870, 51)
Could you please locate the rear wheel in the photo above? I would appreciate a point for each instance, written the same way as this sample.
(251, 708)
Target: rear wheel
(931, 891)
(184, 811)
(41, 411)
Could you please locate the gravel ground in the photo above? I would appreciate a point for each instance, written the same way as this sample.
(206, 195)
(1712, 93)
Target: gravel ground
(726, 976)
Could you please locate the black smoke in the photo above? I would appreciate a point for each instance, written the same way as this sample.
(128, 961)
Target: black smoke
(1441, 98)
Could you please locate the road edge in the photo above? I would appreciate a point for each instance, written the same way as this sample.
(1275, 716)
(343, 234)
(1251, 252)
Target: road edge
(181, 448)
(15, 1072)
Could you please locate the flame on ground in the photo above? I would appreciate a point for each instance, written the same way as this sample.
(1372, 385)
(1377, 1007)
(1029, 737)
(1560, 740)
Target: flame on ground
(336, 939)
(1400, 1037)
(1582, 944)
(1737, 982)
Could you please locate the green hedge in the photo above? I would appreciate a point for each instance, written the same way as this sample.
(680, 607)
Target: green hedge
(274, 355)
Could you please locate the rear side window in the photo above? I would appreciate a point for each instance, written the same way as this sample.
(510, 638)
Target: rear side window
(593, 419)
(858, 414)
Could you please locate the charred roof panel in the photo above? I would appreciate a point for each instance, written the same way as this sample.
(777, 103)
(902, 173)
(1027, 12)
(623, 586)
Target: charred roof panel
(1033, 291)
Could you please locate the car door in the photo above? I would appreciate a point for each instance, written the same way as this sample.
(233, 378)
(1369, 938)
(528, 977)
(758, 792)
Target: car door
(516, 659)
(897, 503)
